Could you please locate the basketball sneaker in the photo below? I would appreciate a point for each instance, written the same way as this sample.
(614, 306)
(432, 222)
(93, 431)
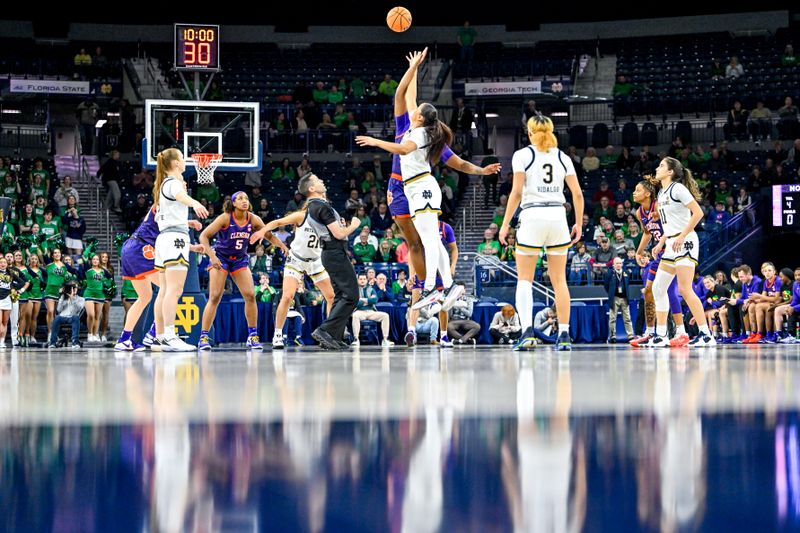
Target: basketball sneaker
(205, 343)
(702, 340)
(641, 341)
(657, 341)
(679, 340)
(427, 298)
(254, 343)
(526, 342)
(564, 343)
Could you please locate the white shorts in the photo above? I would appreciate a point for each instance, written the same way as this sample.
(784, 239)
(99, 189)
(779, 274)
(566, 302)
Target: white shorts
(5, 304)
(689, 255)
(296, 268)
(172, 250)
(424, 196)
(543, 228)
(75, 244)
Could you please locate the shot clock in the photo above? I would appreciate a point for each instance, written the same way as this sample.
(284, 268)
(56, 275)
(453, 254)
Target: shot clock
(196, 47)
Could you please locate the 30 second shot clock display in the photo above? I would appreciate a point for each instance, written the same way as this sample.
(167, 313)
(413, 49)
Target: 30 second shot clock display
(196, 47)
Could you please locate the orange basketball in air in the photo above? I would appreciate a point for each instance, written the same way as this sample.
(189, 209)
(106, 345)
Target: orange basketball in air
(398, 19)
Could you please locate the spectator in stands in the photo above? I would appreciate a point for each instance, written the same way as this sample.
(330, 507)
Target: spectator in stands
(587, 226)
(356, 170)
(717, 71)
(280, 125)
(99, 63)
(372, 202)
(625, 160)
(500, 210)
(365, 310)
(284, 172)
(717, 162)
(87, 114)
(335, 96)
(64, 191)
(460, 327)
(11, 186)
(264, 291)
(634, 233)
(264, 211)
(602, 209)
(70, 307)
(139, 210)
(82, 59)
(109, 173)
(697, 158)
(357, 90)
(320, 94)
(644, 165)
(382, 289)
(208, 192)
(743, 201)
(368, 183)
(788, 59)
(603, 191)
(722, 191)
(509, 251)
(260, 262)
(340, 117)
(304, 168)
(734, 68)
(142, 181)
(295, 203)
(787, 119)
(387, 88)
(616, 284)
(377, 169)
(381, 220)
(354, 124)
(580, 264)
(620, 243)
(76, 227)
(619, 219)
(363, 251)
(299, 124)
(590, 162)
(505, 326)
(760, 125)
(609, 160)
(353, 203)
(623, 87)
(466, 40)
(736, 127)
(730, 205)
(603, 230)
(385, 253)
(504, 186)
(26, 220)
(768, 172)
(461, 121)
(793, 155)
(602, 257)
(361, 214)
(489, 246)
(718, 218)
(756, 180)
(622, 193)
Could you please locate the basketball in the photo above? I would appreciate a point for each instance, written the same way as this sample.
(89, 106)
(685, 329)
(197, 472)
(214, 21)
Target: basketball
(398, 19)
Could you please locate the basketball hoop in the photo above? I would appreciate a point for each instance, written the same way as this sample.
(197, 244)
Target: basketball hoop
(205, 165)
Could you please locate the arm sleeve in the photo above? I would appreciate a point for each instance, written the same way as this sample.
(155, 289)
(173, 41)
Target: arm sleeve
(520, 160)
(322, 213)
(680, 193)
(447, 153)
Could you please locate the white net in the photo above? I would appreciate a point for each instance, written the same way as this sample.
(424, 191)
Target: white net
(205, 165)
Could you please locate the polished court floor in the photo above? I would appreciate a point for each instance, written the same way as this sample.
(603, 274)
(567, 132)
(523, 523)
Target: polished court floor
(466, 439)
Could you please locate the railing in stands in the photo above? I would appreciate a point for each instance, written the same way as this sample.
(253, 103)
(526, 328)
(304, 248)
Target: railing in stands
(715, 243)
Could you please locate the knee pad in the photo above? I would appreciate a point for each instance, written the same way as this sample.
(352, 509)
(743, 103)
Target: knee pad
(660, 287)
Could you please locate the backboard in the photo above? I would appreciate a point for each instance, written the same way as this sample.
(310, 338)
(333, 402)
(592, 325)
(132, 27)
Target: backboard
(229, 128)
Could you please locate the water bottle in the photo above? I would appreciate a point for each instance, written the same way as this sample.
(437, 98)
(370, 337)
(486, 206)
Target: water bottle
(797, 331)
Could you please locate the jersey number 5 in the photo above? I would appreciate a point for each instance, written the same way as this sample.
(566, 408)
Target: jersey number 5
(549, 169)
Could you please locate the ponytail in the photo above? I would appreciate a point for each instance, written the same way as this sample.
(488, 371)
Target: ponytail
(439, 134)
(163, 164)
(683, 175)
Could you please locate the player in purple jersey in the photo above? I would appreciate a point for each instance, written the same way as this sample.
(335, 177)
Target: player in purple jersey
(405, 101)
(232, 230)
(644, 194)
(137, 262)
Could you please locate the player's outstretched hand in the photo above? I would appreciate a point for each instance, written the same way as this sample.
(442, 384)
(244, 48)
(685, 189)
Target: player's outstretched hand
(200, 210)
(196, 225)
(503, 235)
(197, 248)
(365, 140)
(494, 168)
(258, 235)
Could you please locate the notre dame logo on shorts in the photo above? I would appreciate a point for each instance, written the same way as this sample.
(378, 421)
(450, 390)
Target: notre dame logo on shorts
(688, 245)
(180, 244)
(188, 314)
(148, 252)
(427, 195)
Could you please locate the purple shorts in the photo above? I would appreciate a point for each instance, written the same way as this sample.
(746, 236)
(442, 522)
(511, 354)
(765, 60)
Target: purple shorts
(234, 263)
(398, 202)
(137, 259)
(652, 268)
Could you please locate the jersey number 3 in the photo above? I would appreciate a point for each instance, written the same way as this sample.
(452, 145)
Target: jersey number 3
(549, 169)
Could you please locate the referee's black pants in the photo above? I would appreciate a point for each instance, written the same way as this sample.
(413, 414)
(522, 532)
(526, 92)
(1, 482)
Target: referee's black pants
(345, 288)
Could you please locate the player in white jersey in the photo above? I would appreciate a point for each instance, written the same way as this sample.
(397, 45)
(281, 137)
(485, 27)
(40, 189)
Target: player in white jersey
(421, 146)
(303, 260)
(172, 244)
(540, 172)
(679, 213)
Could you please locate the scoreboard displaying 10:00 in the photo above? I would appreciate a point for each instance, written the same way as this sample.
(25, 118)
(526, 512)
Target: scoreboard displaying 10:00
(196, 47)
(785, 204)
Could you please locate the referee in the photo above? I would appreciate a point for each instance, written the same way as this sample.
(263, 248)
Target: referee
(333, 233)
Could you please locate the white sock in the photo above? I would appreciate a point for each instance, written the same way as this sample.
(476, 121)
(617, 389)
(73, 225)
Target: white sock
(563, 328)
(661, 331)
(444, 266)
(680, 330)
(704, 330)
(169, 332)
(278, 334)
(650, 330)
(525, 303)
(427, 225)
(442, 334)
